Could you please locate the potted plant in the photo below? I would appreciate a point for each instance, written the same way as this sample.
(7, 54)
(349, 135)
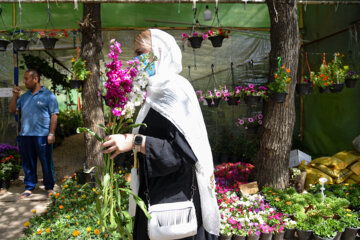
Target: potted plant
(79, 72)
(279, 87)
(4, 41)
(324, 231)
(240, 233)
(217, 36)
(20, 41)
(49, 39)
(304, 227)
(338, 72)
(305, 86)
(323, 79)
(351, 79)
(195, 38)
(289, 228)
(232, 97)
(213, 98)
(250, 124)
(352, 224)
(252, 95)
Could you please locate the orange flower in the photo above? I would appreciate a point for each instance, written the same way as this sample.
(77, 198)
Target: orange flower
(326, 84)
(39, 231)
(276, 76)
(75, 233)
(288, 203)
(322, 75)
(50, 194)
(274, 193)
(47, 230)
(57, 195)
(277, 199)
(287, 70)
(61, 207)
(283, 66)
(73, 60)
(347, 193)
(106, 235)
(97, 231)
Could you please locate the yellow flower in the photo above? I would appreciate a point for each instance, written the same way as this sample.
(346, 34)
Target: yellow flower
(98, 222)
(47, 230)
(68, 217)
(73, 60)
(348, 210)
(88, 229)
(83, 196)
(82, 209)
(49, 220)
(349, 215)
(39, 231)
(97, 192)
(97, 231)
(34, 234)
(120, 172)
(33, 211)
(86, 217)
(75, 233)
(66, 186)
(277, 199)
(27, 224)
(94, 190)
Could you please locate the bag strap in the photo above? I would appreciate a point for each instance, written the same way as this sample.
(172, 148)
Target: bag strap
(193, 187)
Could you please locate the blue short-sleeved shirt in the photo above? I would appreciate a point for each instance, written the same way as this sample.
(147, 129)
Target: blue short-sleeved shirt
(36, 110)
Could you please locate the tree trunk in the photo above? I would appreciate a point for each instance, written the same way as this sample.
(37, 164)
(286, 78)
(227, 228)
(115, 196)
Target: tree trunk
(272, 160)
(93, 113)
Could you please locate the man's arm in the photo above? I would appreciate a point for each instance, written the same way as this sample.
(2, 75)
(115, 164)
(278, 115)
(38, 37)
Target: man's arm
(13, 103)
(53, 123)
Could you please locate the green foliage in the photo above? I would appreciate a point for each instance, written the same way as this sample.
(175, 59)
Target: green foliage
(21, 36)
(281, 79)
(68, 121)
(78, 68)
(326, 229)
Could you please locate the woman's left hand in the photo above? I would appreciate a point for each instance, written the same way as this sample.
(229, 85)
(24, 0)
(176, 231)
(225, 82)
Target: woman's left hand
(118, 143)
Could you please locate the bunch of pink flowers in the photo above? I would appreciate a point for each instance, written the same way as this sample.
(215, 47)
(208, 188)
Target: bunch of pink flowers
(253, 121)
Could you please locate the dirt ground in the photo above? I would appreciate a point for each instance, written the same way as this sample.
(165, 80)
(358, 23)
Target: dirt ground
(14, 212)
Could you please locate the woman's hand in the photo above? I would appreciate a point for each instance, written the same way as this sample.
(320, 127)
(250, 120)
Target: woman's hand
(118, 143)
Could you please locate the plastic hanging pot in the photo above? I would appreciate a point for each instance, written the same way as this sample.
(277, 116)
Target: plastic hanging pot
(3, 45)
(75, 84)
(195, 41)
(252, 100)
(279, 236)
(233, 100)
(279, 97)
(252, 130)
(214, 102)
(303, 88)
(350, 82)
(304, 234)
(349, 233)
(324, 90)
(20, 45)
(216, 41)
(336, 88)
(49, 43)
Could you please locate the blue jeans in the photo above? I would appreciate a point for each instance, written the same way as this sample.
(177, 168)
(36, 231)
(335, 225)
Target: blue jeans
(32, 148)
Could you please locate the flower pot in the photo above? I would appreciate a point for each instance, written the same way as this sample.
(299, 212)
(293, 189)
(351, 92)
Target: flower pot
(349, 83)
(303, 88)
(233, 100)
(289, 233)
(5, 183)
(253, 237)
(252, 100)
(214, 102)
(279, 97)
(237, 237)
(320, 238)
(15, 175)
(266, 236)
(303, 234)
(279, 236)
(252, 130)
(338, 236)
(216, 41)
(324, 90)
(75, 84)
(221, 237)
(349, 233)
(3, 45)
(20, 45)
(336, 88)
(195, 41)
(49, 43)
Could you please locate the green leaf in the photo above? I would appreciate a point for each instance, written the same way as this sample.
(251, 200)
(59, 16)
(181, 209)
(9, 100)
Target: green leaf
(125, 129)
(138, 201)
(87, 130)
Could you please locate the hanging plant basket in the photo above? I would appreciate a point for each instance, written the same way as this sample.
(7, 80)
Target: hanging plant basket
(216, 41)
(350, 82)
(49, 43)
(20, 45)
(252, 100)
(336, 88)
(75, 84)
(279, 97)
(324, 90)
(213, 102)
(233, 100)
(195, 41)
(252, 130)
(304, 88)
(3, 45)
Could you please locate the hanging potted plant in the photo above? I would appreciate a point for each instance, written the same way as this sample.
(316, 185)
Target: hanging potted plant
(351, 79)
(195, 38)
(217, 36)
(278, 88)
(251, 124)
(49, 39)
(213, 98)
(233, 97)
(338, 73)
(20, 41)
(4, 41)
(305, 85)
(80, 73)
(252, 95)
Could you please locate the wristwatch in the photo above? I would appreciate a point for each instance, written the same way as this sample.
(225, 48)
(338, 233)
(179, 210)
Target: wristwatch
(138, 139)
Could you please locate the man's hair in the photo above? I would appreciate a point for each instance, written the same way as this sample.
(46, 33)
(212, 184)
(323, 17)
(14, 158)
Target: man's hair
(34, 73)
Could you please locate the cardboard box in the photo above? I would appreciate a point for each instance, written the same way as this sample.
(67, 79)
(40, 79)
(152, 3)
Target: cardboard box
(297, 156)
(249, 188)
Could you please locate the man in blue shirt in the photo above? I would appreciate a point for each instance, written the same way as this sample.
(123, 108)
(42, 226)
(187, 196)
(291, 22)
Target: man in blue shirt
(38, 109)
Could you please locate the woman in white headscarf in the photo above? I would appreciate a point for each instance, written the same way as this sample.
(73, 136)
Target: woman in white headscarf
(174, 140)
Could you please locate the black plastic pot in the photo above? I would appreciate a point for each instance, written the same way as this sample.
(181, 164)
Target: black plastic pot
(3, 44)
(304, 235)
(224, 237)
(252, 130)
(213, 102)
(233, 100)
(266, 236)
(350, 83)
(279, 236)
(304, 88)
(195, 42)
(336, 88)
(338, 236)
(75, 84)
(320, 238)
(252, 100)
(49, 43)
(324, 90)
(289, 233)
(349, 233)
(216, 41)
(253, 237)
(20, 45)
(5, 183)
(279, 97)
(15, 175)
(236, 237)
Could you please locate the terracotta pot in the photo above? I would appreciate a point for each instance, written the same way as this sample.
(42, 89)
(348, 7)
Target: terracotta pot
(195, 42)
(216, 41)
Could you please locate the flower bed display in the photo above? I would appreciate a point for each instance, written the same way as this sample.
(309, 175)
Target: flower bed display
(228, 176)
(9, 164)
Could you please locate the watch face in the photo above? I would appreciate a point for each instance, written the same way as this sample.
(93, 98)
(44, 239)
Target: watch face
(138, 140)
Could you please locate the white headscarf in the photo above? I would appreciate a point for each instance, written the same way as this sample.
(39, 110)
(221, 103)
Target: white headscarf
(174, 98)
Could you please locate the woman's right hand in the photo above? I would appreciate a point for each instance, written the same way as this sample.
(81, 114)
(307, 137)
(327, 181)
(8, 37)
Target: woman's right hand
(118, 143)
